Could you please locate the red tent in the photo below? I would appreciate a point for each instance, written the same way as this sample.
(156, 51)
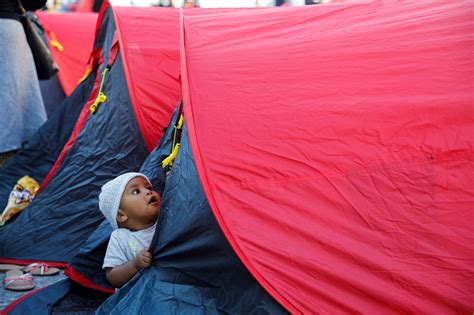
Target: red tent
(70, 37)
(335, 146)
(151, 66)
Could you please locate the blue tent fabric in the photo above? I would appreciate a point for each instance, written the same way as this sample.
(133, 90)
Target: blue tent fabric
(152, 167)
(88, 262)
(52, 93)
(194, 269)
(89, 259)
(41, 151)
(65, 213)
(42, 301)
(78, 300)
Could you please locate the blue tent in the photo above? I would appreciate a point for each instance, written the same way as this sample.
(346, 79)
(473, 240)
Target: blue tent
(104, 143)
(194, 268)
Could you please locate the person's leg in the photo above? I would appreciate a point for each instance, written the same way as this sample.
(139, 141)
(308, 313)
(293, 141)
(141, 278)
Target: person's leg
(22, 111)
(34, 112)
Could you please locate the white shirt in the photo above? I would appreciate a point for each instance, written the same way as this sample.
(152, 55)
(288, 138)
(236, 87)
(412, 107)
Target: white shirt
(124, 245)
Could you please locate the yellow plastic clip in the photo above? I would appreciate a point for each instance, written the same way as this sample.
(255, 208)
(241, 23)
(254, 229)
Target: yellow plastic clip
(169, 160)
(85, 76)
(99, 100)
(101, 97)
(54, 42)
(180, 122)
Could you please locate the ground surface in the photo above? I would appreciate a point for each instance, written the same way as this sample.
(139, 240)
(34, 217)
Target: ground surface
(7, 296)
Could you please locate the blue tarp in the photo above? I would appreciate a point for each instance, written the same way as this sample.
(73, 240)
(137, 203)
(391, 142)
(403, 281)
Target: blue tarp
(52, 93)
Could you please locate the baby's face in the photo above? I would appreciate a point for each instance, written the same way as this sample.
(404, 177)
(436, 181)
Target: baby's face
(139, 201)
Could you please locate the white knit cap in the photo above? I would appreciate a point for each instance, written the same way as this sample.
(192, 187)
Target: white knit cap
(111, 193)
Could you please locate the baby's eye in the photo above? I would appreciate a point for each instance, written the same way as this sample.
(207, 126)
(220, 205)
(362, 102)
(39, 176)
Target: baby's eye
(149, 188)
(136, 191)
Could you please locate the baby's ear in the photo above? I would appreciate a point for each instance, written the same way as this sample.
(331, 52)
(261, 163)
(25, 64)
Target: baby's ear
(121, 216)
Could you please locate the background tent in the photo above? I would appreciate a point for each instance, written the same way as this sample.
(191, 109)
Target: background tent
(103, 144)
(70, 37)
(334, 145)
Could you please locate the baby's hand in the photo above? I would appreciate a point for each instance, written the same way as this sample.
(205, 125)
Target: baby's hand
(143, 259)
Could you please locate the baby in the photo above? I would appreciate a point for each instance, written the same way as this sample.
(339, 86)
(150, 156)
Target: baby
(131, 206)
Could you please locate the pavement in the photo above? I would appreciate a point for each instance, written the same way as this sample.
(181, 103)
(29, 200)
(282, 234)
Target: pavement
(7, 296)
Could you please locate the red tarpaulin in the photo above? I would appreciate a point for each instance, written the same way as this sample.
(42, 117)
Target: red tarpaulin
(75, 34)
(335, 146)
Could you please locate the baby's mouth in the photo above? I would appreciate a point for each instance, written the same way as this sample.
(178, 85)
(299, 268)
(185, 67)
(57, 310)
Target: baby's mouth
(153, 200)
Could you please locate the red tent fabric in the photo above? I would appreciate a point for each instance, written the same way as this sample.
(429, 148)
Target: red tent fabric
(150, 61)
(86, 6)
(335, 146)
(75, 33)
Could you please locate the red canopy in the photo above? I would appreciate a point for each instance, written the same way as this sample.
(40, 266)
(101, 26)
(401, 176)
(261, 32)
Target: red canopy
(335, 146)
(75, 33)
